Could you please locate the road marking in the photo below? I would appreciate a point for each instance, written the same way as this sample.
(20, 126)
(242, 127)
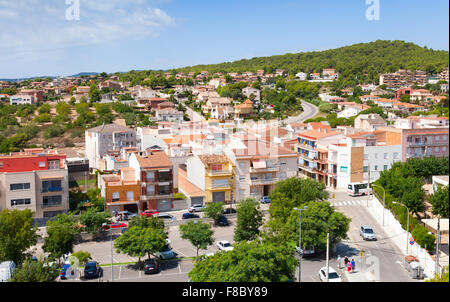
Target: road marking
(120, 271)
(179, 268)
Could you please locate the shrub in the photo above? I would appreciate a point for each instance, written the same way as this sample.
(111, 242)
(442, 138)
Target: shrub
(179, 196)
(53, 131)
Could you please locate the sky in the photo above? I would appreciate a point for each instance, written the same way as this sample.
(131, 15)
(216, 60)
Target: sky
(45, 37)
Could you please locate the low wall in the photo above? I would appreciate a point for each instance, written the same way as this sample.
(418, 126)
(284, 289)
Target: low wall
(399, 236)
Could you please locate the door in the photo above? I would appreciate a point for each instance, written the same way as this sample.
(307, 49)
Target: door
(218, 196)
(164, 205)
(266, 190)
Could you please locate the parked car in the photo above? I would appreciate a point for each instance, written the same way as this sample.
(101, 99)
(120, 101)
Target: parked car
(166, 253)
(7, 270)
(125, 215)
(149, 213)
(190, 216)
(223, 221)
(265, 199)
(367, 233)
(196, 208)
(307, 251)
(151, 266)
(66, 270)
(165, 216)
(116, 225)
(224, 245)
(92, 270)
(229, 211)
(333, 276)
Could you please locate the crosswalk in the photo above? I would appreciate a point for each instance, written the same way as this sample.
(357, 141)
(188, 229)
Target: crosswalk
(345, 203)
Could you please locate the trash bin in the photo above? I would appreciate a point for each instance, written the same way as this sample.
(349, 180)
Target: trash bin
(414, 269)
(420, 272)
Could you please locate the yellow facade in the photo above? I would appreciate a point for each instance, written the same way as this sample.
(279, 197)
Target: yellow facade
(219, 182)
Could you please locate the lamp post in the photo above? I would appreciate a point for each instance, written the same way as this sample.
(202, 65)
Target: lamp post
(300, 249)
(407, 227)
(384, 199)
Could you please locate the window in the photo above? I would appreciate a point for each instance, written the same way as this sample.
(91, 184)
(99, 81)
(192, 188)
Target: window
(51, 186)
(50, 201)
(1, 164)
(42, 164)
(283, 175)
(366, 156)
(385, 167)
(130, 196)
(444, 149)
(366, 169)
(115, 196)
(53, 164)
(18, 187)
(216, 167)
(376, 168)
(344, 169)
(242, 165)
(150, 175)
(444, 137)
(242, 192)
(385, 155)
(18, 202)
(437, 137)
(283, 162)
(150, 190)
(409, 139)
(241, 178)
(436, 149)
(395, 155)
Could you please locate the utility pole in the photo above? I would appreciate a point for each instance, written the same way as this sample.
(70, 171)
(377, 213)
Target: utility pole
(368, 187)
(437, 270)
(328, 252)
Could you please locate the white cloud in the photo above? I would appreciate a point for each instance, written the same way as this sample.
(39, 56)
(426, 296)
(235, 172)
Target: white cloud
(41, 25)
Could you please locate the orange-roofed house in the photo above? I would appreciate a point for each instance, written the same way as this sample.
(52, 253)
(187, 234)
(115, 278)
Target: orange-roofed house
(154, 170)
(244, 110)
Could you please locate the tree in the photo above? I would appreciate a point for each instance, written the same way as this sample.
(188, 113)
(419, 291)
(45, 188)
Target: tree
(138, 241)
(61, 235)
(93, 220)
(94, 94)
(214, 210)
(198, 233)
(247, 262)
(83, 257)
(295, 192)
(249, 220)
(45, 108)
(35, 271)
(440, 203)
(17, 234)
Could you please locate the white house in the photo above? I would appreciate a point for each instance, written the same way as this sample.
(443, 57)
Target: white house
(21, 99)
(302, 76)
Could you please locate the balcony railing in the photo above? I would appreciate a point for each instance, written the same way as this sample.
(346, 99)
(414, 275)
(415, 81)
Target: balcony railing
(264, 181)
(220, 172)
(51, 205)
(51, 189)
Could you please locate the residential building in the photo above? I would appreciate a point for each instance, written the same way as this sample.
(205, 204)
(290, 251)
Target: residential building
(38, 94)
(104, 139)
(439, 181)
(122, 192)
(403, 78)
(244, 110)
(35, 179)
(443, 76)
(369, 122)
(22, 99)
(302, 76)
(312, 160)
(248, 91)
(259, 165)
(212, 174)
(154, 170)
(170, 115)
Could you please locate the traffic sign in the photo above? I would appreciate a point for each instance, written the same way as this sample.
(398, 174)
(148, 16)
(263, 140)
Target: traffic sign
(411, 241)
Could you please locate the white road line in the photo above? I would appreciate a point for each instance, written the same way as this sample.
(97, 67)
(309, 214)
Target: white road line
(179, 267)
(345, 203)
(120, 271)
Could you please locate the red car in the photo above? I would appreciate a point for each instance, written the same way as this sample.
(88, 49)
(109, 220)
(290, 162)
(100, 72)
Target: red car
(149, 213)
(116, 226)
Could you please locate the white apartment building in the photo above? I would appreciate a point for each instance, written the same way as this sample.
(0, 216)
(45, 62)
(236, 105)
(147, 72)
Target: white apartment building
(21, 99)
(248, 91)
(104, 139)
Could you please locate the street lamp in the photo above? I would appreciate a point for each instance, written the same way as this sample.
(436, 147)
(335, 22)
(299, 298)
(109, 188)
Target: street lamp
(300, 249)
(112, 266)
(407, 227)
(384, 199)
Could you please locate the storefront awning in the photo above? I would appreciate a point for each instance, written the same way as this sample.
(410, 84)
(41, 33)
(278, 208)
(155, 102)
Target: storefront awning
(261, 164)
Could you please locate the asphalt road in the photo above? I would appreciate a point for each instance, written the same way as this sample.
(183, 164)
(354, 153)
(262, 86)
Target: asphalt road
(309, 112)
(389, 258)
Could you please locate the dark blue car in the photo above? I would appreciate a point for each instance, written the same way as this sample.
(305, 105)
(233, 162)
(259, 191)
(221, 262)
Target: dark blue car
(190, 215)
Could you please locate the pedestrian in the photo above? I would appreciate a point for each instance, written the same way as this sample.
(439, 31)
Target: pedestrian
(349, 267)
(353, 263)
(345, 260)
(339, 262)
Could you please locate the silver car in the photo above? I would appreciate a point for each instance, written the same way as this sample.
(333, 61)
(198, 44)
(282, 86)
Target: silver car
(367, 233)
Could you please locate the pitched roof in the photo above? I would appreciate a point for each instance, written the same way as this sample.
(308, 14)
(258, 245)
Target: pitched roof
(156, 159)
(213, 159)
(315, 134)
(110, 128)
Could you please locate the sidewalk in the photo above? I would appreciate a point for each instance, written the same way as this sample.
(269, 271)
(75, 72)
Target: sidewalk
(361, 274)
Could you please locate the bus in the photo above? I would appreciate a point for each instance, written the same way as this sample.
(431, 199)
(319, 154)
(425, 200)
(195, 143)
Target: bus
(358, 189)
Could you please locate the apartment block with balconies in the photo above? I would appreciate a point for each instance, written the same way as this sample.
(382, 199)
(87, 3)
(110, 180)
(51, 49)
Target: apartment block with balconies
(154, 170)
(37, 180)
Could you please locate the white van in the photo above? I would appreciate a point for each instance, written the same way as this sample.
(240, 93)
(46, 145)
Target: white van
(358, 189)
(7, 269)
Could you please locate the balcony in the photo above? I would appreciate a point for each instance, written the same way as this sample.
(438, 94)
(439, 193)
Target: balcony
(263, 181)
(220, 172)
(52, 205)
(306, 147)
(275, 168)
(155, 180)
(51, 189)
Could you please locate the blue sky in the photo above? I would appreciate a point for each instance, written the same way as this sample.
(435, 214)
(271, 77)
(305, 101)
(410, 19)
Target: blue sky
(120, 35)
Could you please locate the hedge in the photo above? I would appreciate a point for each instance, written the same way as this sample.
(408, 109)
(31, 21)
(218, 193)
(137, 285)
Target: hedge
(418, 231)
